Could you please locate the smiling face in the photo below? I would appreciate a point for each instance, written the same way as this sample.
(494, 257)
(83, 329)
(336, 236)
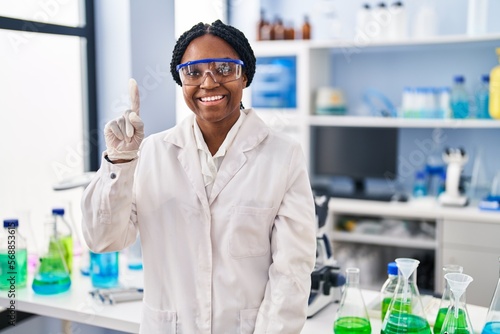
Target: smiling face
(214, 104)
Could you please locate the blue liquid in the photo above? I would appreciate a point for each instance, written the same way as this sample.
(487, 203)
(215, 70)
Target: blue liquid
(460, 109)
(104, 269)
(491, 328)
(135, 266)
(51, 283)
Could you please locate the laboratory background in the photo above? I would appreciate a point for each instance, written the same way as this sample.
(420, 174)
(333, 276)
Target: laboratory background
(396, 105)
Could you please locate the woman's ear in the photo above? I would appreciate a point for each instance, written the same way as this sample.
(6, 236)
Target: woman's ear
(245, 80)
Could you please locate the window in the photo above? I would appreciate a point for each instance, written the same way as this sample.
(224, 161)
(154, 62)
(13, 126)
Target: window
(48, 106)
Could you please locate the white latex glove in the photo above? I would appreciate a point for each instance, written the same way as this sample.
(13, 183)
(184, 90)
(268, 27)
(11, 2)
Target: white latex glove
(124, 134)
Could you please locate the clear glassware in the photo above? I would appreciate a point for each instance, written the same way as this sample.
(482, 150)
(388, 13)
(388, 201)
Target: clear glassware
(457, 319)
(52, 275)
(388, 288)
(446, 299)
(352, 316)
(406, 312)
(492, 325)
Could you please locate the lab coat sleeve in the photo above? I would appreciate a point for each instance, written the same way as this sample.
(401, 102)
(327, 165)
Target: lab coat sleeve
(108, 208)
(293, 244)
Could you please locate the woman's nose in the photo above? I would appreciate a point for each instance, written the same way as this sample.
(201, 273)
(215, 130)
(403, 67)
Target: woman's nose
(209, 81)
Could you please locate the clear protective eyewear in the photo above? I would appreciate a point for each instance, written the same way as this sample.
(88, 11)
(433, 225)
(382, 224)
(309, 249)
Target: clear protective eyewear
(222, 70)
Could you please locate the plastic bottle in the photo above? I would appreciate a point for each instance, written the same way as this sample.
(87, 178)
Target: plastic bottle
(363, 17)
(446, 298)
(389, 287)
(420, 187)
(482, 97)
(494, 107)
(352, 316)
(104, 269)
(398, 27)
(65, 235)
(383, 19)
(459, 98)
(13, 257)
(492, 325)
(477, 17)
(306, 28)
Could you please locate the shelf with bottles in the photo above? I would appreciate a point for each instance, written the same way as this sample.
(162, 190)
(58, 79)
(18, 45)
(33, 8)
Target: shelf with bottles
(339, 45)
(393, 122)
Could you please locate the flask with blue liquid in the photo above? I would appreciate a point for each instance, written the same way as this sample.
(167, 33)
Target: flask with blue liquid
(420, 186)
(104, 269)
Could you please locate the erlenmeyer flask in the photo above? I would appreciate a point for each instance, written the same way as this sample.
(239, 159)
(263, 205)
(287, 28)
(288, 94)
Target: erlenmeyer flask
(406, 312)
(457, 319)
(352, 316)
(52, 275)
(492, 325)
(446, 299)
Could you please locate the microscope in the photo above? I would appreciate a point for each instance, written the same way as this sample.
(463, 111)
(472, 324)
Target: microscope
(326, 279)
(456, 158)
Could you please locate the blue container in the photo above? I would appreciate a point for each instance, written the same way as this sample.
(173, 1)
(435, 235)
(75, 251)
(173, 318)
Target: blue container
(104, 269)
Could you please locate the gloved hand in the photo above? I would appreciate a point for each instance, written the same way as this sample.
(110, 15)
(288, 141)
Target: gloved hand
(124, 134)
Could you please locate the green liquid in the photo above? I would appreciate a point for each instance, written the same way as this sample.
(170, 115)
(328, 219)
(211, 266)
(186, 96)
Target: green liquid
(440, 319)
(353, 325)
(18, 270)
(399, 305)
(401, 322)
(457, 325)
(64, 245)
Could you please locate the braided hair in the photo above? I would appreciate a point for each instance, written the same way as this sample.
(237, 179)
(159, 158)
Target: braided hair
(228, 33)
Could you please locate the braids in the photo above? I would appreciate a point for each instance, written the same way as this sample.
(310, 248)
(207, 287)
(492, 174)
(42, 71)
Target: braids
(229, 34)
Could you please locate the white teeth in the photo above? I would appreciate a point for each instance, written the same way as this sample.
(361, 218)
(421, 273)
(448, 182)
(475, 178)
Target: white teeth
(211, 98)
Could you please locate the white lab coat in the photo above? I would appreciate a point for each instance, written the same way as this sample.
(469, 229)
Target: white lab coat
(237, 262)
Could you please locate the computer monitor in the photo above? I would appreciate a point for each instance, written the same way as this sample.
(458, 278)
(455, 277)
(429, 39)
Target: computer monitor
(359, 153)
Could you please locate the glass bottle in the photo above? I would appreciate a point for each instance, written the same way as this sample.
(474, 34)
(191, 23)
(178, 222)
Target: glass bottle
(446, 298)
(134, 255)
(457, 319)
(306, 28)
(406, 312)
(260, 24)
(389, 287)
(494, 103)
(352, 316)
(52, 275)
(13, 257)
(492, 325)
(459, 98)
(65, 235)
(104, 269)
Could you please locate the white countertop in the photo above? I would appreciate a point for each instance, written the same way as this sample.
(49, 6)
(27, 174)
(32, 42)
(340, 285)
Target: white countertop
(78, 306)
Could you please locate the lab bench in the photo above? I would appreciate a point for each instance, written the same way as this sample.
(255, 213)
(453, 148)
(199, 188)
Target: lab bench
(78, 307)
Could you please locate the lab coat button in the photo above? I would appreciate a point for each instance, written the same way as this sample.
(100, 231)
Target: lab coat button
(112, 176)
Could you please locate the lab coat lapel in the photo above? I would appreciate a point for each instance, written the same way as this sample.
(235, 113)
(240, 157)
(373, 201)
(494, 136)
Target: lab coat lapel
(183, 137)
(252, 132)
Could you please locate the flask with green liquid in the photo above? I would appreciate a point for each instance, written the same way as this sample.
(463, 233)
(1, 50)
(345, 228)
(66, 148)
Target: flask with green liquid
(352, 316)
(13, 257)
(389, 287)
(446, 299)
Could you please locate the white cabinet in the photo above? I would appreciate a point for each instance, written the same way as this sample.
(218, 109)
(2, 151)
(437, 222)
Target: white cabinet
(476, 246)
(463, 236)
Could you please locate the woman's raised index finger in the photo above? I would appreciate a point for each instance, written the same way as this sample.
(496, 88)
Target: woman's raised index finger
(134, 96)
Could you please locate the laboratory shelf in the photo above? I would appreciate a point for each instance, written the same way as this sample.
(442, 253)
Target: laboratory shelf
(384, 240)
(367, 44)
(391, 122)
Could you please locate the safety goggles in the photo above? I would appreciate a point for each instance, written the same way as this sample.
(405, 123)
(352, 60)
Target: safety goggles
(222, 70)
